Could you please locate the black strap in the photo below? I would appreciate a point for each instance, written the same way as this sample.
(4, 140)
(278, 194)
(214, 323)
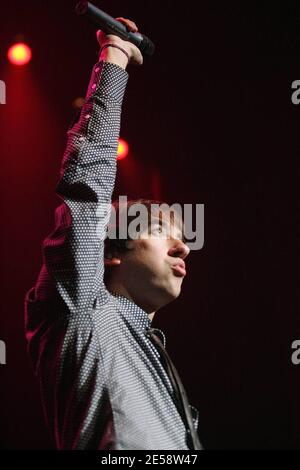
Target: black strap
(182, 400)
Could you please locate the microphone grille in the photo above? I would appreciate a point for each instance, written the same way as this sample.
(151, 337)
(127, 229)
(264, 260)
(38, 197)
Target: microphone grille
(147, 46)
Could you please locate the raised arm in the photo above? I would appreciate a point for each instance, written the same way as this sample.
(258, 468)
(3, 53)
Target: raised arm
(74, 251)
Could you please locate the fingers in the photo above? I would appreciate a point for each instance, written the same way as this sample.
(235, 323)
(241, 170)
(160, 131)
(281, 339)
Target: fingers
(135, 55)
(129, 24)
(100, 36)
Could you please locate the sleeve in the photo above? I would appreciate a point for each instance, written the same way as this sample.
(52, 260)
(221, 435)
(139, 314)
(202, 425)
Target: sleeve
(74, 252)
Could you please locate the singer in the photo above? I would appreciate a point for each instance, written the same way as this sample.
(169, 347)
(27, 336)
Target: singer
(106, 379)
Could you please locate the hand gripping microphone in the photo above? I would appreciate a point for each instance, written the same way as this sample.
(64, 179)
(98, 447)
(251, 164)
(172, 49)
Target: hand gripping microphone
(109, 25)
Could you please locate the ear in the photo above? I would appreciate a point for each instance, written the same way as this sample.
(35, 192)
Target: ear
(112, 261)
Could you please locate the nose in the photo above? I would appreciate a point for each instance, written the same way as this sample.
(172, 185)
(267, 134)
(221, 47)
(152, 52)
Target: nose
(179, 249)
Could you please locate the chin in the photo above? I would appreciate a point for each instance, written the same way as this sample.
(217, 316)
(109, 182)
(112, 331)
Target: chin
(168, 291)
(174, 292)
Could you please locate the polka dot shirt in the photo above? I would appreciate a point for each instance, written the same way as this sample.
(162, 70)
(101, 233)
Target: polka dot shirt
(102, 382)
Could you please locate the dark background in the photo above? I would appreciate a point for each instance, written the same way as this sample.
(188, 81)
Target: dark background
(209, 119)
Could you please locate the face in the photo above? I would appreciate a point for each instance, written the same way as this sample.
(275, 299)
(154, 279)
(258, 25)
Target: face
(154, 267)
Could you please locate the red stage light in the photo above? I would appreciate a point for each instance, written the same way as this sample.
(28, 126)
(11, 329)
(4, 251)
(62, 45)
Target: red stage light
(123, 149)
(19, 54)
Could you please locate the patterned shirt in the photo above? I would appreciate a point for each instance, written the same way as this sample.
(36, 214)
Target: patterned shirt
(102, 380)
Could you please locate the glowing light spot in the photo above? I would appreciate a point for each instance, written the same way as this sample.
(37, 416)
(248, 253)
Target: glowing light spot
(123, 149)
(19, 54)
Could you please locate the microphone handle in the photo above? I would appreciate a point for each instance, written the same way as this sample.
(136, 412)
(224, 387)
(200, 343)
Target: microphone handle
(110, 25)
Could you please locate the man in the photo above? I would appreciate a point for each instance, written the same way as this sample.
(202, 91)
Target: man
(106, 379)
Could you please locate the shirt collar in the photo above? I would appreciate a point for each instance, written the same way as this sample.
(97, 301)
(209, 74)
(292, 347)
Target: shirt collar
(134, 314)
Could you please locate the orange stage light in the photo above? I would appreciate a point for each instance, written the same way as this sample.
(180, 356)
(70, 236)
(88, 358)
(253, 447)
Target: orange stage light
(19, 54)
(123, 149)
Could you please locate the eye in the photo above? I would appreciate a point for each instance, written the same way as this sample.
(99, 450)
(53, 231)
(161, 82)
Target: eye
(157, 229)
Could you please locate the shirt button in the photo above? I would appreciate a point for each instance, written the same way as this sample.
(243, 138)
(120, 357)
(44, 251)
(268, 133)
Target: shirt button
(94, 86)
(87, 116)
(97, 70)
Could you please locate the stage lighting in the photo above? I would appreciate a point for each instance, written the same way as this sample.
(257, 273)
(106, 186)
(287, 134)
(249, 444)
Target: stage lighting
(123, 149)
(19, 54)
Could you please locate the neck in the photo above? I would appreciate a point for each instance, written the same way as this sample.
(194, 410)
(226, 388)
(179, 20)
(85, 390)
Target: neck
(121, 290)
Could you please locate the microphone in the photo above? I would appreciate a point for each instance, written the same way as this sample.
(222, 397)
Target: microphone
(111, 26)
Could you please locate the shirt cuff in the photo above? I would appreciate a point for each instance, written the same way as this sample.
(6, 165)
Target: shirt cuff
(107, 80)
